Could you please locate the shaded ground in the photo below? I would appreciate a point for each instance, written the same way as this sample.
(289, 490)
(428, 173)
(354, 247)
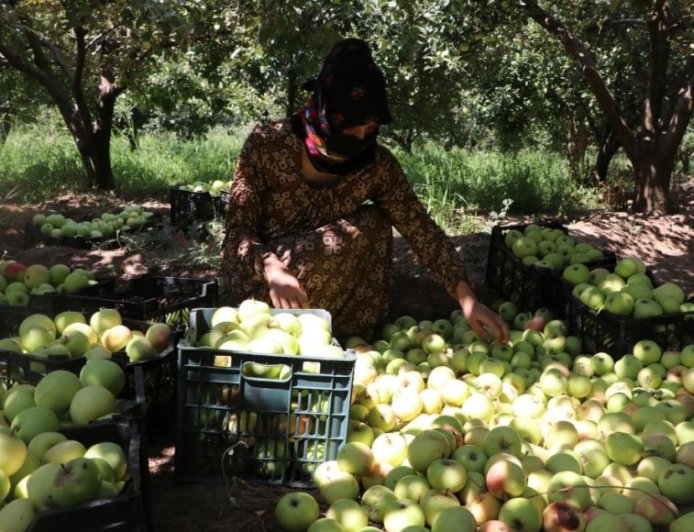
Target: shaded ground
(666, 243)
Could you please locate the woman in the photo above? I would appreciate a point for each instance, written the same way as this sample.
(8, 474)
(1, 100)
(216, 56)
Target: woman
(314, 200)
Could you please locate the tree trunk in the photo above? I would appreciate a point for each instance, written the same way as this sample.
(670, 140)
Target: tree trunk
(5, 123)
(608, 149)
(652, 183)
(576, 145)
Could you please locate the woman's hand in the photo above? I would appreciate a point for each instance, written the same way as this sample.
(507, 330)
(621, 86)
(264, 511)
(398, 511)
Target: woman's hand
(481, 318)
(285, 290)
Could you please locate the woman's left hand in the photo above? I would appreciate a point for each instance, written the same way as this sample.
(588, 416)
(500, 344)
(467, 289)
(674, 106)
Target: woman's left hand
(481, 318)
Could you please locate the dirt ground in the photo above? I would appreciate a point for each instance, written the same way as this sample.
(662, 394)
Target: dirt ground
(666, 243)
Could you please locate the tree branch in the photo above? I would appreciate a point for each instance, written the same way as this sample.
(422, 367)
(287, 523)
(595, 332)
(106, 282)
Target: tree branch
(582, 55)
(682, 112)
(57, 56)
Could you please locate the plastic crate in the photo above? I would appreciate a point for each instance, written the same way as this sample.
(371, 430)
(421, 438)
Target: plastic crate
(150, 386)
(273, 431)
(530, 287)
(616, 334)
(148, 298)
(188, 207)
(129, 511)
(11, 317)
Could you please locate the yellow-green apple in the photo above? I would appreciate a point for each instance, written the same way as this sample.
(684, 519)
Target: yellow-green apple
(64, 451)
(374, 501)
(296, 511)
(427, 446)
(40, 483)
(101, 372)
(33, 421)
(506, 478)
(350, 514)
(90, 403)
(659, 510)
(434, 501)
(116, 338)
(104, 319)
(356, 458)
(569, 487)
(13, 452)
(400, 514)
(520, 514)
(390, 448)
(56, 390)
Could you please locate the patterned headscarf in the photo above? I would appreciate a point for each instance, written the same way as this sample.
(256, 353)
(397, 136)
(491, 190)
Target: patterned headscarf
(349, 91)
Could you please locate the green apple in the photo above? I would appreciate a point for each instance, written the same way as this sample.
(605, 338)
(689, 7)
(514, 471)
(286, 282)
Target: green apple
(520, 514)
(356, 458)
(90, 403)
(105, 319)
(40, 484)
(139, 349)
(403, 513)
(63, 452)
(624, 448)
(506, 478)
(434, 501)
(112, 454)
(33, 421)
(17, 515)
(56, 390)
(349, 513)
(425, 448)
(677, 484)
(454, 518)
(78, 481)
(13, 452)
(44, 441)
(576, 274)
(375, 499)
(57, 274)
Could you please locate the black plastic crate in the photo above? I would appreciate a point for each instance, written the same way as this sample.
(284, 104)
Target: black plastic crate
(25, 368)
(12, 316)
(617, 334)
(157, 397)
(188, 206)
(129, 511)
(148, 298)
(269, 430)
(530, 287)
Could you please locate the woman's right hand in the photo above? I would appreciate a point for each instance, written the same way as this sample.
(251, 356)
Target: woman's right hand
(285, 290)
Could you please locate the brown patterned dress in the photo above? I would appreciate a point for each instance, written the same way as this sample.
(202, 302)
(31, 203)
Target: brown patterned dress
(336, 240)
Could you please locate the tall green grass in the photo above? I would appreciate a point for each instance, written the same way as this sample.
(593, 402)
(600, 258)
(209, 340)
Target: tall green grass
(38, 162)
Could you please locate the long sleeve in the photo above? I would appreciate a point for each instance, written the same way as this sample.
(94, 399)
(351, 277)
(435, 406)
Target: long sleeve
(410, 218)
(242, 250)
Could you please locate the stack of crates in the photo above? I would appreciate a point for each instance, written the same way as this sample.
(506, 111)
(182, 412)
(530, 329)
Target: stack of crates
(262, 417)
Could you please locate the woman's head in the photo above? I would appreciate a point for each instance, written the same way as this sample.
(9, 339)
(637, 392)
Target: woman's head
(350, 90)
(347, 104)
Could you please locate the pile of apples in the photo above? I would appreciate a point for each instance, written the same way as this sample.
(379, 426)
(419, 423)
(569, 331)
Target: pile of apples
(549, 248)
(70, 334)
(450, 432)
(214, 189)
(253, 327)
(57, 226)
(627, 291)
(40, 468)
(19, 282)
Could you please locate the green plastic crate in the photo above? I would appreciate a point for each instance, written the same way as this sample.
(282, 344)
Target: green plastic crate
(270, 430)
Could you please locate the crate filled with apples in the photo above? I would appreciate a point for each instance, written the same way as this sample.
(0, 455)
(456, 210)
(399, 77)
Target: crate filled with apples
(59, 230)
(614, 308)
(263, 392)
(60, 477)
(70, 340)
(198, 201)
(147, 298)
(525, 261)
(451, 432)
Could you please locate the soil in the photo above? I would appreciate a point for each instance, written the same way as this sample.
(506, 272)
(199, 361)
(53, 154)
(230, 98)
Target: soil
(664, 242)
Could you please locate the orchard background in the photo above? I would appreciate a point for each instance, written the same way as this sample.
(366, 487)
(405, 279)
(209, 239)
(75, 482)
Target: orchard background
(504, 110)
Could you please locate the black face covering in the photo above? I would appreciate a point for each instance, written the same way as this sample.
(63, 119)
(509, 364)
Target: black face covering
(348, 145)
(349, 92)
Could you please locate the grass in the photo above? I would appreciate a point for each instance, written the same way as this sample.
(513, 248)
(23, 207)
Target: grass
(454, 185)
